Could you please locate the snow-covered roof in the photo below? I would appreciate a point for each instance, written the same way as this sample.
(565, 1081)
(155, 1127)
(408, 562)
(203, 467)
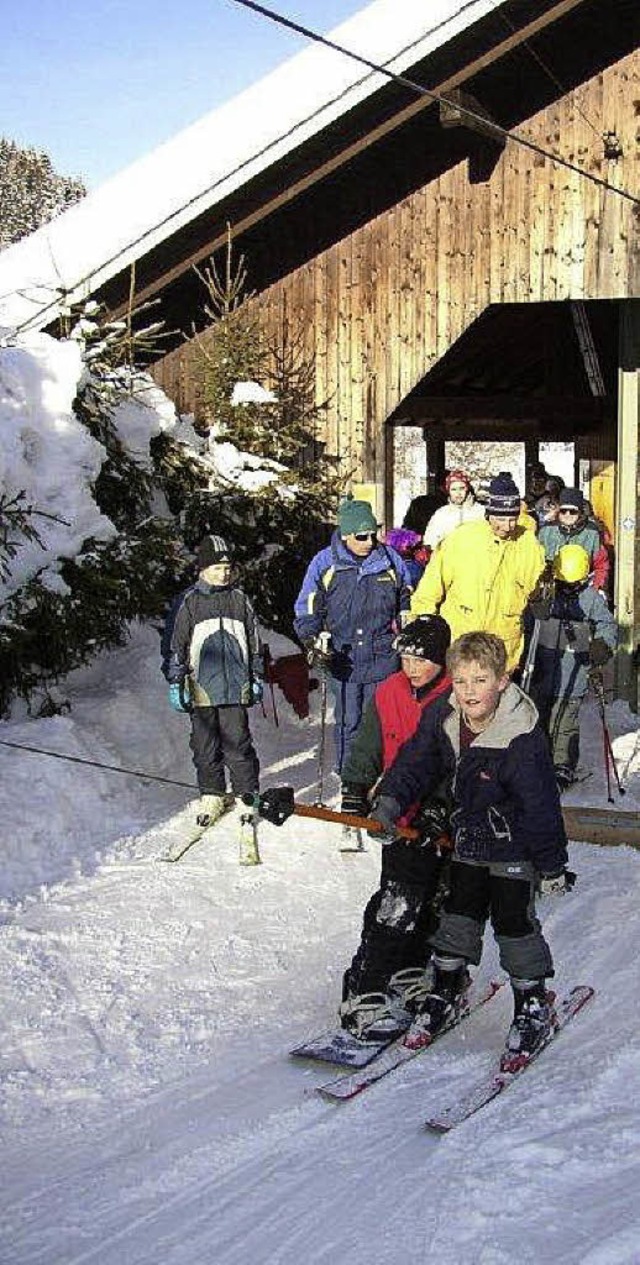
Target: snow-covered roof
(151, 199)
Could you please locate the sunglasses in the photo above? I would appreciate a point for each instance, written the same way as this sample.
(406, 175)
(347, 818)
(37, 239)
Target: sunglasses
(364, 535)
(569, 509)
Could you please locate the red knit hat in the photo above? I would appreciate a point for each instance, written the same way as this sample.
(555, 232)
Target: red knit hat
(457, 476)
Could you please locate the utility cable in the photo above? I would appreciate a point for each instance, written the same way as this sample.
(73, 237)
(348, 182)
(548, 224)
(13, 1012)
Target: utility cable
(418, 88)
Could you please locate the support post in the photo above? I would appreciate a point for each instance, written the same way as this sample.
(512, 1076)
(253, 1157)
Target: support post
(627, 560)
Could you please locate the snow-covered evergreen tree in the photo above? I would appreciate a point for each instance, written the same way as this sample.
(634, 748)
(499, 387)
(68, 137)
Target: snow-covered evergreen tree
(31, 192)
(258, 396)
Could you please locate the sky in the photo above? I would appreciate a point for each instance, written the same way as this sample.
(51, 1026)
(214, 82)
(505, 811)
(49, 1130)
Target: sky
(99, 85)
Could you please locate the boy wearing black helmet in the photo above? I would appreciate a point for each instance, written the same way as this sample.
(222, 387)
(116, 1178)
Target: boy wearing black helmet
(577, 635)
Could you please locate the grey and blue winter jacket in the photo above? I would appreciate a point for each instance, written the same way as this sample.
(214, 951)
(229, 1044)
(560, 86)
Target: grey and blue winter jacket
(358, 600)
(562, 656)
(216, 645)
(506, 803)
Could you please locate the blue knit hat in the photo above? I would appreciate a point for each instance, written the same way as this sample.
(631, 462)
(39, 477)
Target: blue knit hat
(504, 497)
(355, 516)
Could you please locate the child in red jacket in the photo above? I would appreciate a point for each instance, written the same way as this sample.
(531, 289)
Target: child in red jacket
(393, 948)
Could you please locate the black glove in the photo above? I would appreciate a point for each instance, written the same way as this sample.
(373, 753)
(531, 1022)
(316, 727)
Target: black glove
(599, 652)
(432, 822)
(354, 801)
(276, 804)
(540, 607)
(385, 810)
(557, 884)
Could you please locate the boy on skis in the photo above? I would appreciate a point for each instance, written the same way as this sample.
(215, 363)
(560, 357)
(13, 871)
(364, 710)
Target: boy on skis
(214, 673)
(486, 743)
(393, 949)
(577, 635)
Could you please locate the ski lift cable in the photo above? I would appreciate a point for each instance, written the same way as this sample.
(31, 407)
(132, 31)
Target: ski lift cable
(96, 764)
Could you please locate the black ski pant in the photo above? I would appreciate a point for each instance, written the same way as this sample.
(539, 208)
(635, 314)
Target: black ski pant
(504, 892)
(220, 736)
(398, 919)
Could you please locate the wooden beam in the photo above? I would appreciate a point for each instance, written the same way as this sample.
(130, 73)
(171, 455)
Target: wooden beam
(218, 238)
(452, 409)
(627, 584)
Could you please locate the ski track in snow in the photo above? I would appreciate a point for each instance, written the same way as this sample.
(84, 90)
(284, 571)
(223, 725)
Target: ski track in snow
(150, 1114)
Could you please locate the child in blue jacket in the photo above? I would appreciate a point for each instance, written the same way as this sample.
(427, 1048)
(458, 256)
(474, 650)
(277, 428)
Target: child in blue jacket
(215, 673)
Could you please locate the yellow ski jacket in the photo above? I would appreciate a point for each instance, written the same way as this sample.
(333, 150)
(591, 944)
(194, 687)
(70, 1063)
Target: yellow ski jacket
(481, 584)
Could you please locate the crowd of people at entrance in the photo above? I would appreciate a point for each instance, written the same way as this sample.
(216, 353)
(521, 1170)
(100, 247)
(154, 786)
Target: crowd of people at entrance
(458, 650)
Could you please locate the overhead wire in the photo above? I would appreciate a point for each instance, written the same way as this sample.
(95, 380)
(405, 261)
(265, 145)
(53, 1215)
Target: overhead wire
(439, 98)
(551, 74)
(378, 68)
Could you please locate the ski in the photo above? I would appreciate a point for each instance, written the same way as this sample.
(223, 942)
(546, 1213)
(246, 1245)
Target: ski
(352, 839)
(178, 850)
(486, 1090)
(342, 1049)
(404, 1048)
(249, 852)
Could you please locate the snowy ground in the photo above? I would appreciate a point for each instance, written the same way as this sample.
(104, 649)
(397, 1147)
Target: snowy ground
(150, 1115)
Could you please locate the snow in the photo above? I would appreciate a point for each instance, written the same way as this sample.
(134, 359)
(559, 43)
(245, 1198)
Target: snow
(144, 204)
(47, 454)
(149, 1109)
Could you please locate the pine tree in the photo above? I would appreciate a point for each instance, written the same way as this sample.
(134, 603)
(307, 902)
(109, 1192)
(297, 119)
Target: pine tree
(31, 192)
(275, 529)
(45, 632)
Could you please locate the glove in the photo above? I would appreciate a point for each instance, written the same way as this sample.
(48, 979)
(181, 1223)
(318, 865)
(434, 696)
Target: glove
(354, 801)
(596, 680)
(599, 652)
(319, 652)
(432, 822)
(257, 690)
(540, 607)
(179, 696)
(385, 810)
(556, 884)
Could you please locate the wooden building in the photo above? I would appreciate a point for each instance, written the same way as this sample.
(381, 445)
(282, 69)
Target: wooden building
(462, 248)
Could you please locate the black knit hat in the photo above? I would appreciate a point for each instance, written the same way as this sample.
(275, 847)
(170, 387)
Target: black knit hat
(504, 497)
(571, 498)
(426, 638)
(211, 551)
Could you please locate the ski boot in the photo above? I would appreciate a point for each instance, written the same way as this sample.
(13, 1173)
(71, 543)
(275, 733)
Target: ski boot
(533, 1020)
(565, 777)
(212, 807)
(435, 1009)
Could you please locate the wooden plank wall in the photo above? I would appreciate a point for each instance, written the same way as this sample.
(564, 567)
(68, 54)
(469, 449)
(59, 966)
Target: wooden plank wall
(382, 305)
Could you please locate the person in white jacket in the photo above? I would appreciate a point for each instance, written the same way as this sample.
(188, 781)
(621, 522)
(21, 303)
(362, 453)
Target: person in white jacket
(461, 507)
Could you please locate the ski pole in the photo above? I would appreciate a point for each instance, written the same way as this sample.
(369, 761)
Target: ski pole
(266, 654)
(609, 757)
(324, 642)
(529, 663)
